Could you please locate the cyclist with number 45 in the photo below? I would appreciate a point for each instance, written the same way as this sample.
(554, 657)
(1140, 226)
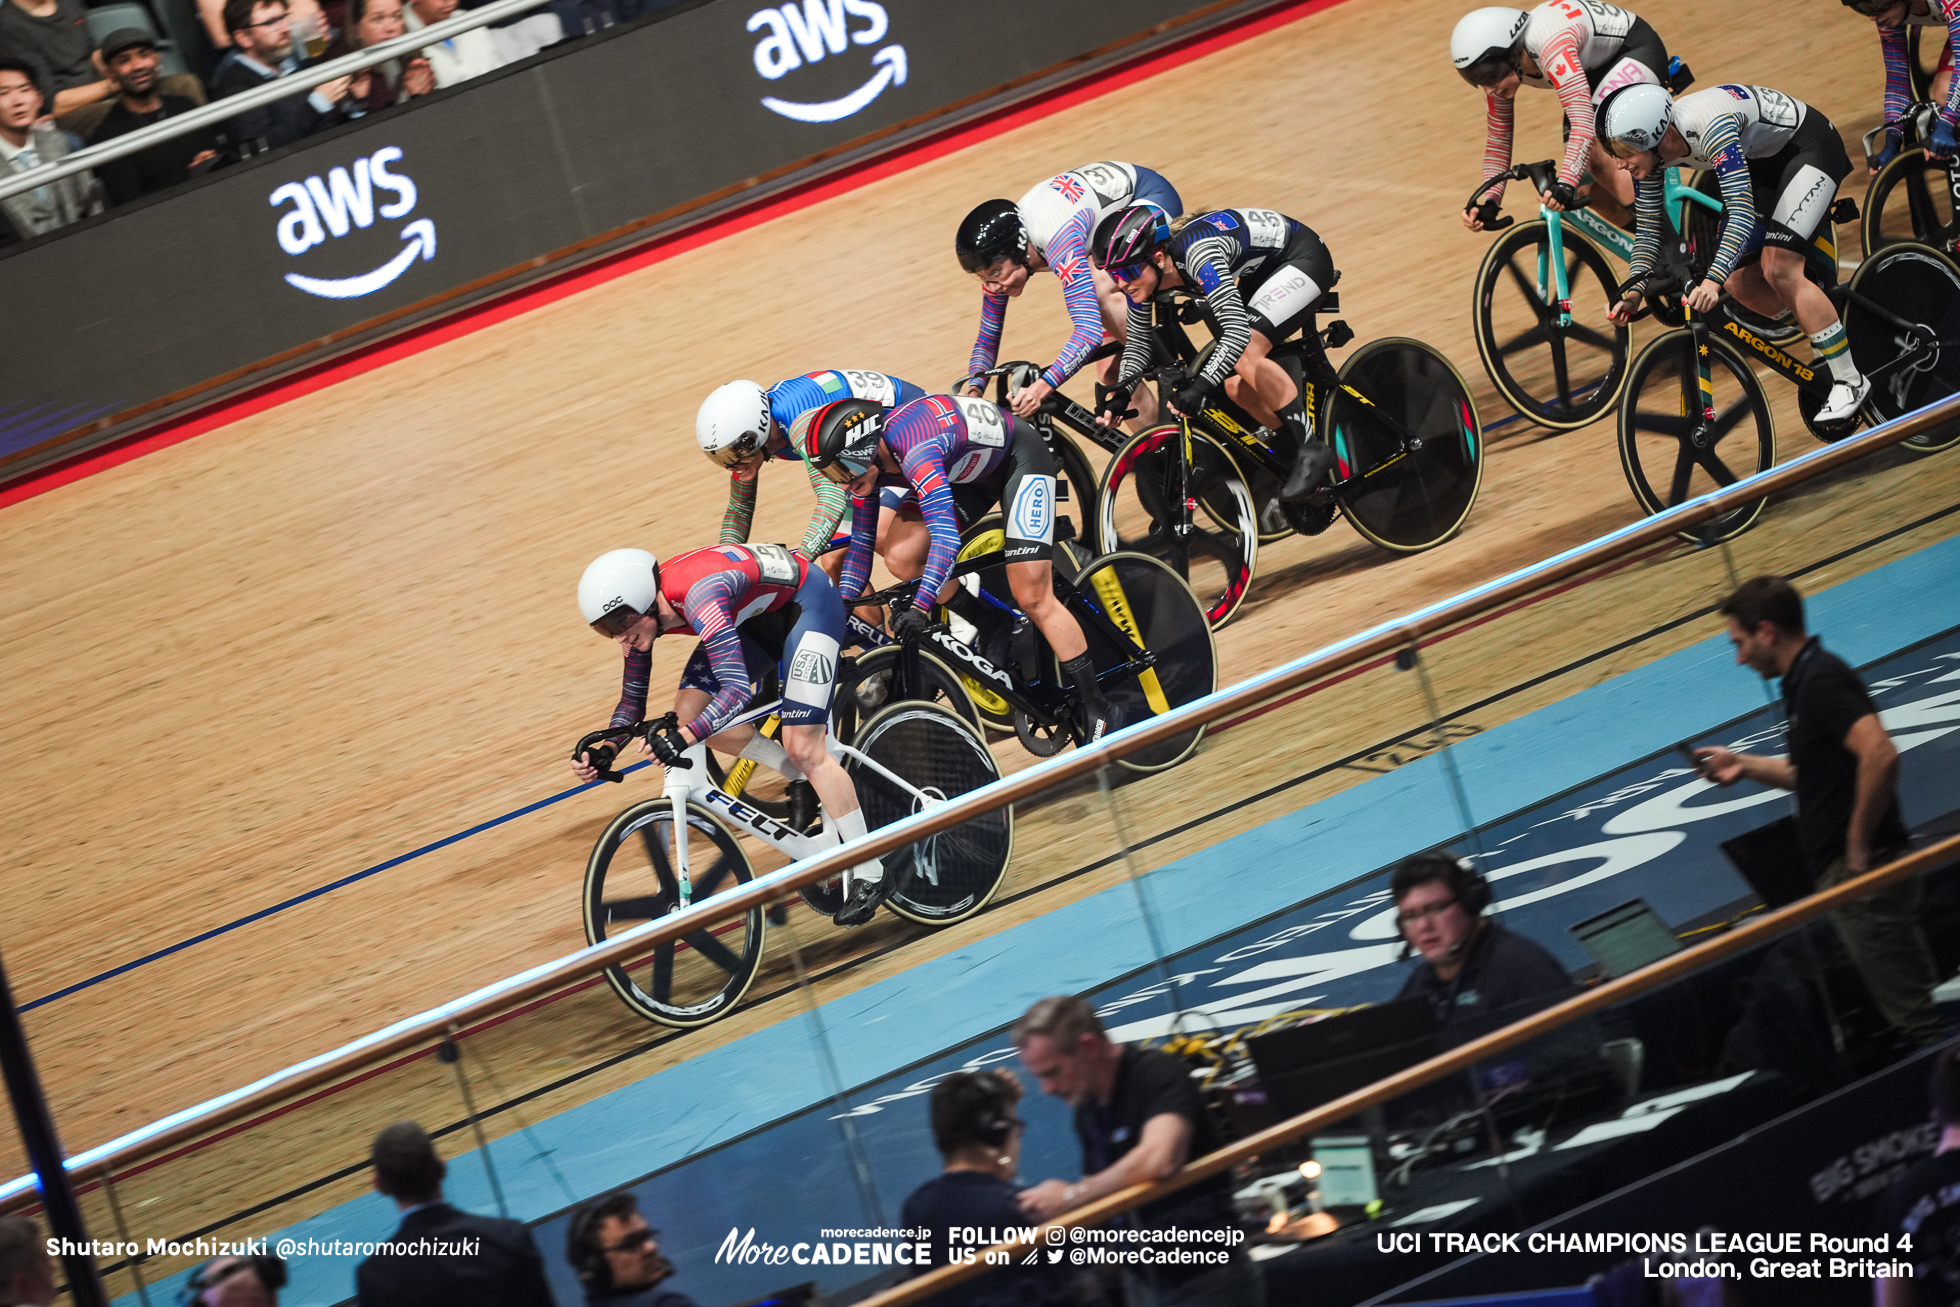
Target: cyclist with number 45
(741, 426)
(963, 456)
(1583, 49)
(1893, 18)
(752, 605)
(1779, 162)
(1003, 243)
(1261, 273)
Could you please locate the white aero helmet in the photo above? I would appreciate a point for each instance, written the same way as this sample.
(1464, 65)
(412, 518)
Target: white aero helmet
(733, 423)
(1481, 45)
(1635, 118)
(617, 581)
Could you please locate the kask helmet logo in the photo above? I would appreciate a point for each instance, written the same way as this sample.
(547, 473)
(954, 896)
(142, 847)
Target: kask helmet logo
(796, 33)
(345, 200)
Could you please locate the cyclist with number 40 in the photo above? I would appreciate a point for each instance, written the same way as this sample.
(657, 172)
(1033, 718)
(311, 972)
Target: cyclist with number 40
(1779, 162)
(1261, 274)
(963, 456)
(752, 606)
(1893, 18)
(1582, 49)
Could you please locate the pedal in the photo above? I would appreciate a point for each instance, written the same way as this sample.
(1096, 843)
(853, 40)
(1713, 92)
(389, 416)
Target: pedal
(1338, 333)
(1845, 210)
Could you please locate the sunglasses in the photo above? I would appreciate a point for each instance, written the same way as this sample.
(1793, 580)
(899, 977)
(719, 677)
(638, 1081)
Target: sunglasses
(742, 449)
(1124, 276)
(844, 471)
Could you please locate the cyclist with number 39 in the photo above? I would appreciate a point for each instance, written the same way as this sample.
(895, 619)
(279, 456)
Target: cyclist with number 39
(1779, 162)
(1261, 273)
(1003, 243)
(963, 456)
(752, 605)
(1583, 49)
(1893, 18)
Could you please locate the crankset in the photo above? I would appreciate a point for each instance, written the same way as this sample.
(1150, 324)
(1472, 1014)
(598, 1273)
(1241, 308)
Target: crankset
(1043, 741)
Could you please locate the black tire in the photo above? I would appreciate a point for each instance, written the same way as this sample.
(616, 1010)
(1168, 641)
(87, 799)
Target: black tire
(1138, 499)
(946, 877)
(1911, 199)
(1922, 286)
(1151, 606)
(870, 691)
(1560, 378)
(1080, 481)
(1660, 413)
(1421, 500)
(629, 879)
(1919, 71)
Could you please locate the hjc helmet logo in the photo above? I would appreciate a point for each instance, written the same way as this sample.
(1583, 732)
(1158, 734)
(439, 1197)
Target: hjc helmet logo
(807, 31)
(344, 201)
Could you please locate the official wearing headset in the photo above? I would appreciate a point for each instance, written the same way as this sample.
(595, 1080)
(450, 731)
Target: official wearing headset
(977, 1131)
(617, 1256)
(1471, 966)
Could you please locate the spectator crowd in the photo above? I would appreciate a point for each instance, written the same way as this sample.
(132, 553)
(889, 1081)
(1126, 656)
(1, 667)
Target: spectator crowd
(62, 88)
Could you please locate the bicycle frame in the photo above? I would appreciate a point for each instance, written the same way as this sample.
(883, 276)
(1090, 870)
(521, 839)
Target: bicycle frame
(1553, 285)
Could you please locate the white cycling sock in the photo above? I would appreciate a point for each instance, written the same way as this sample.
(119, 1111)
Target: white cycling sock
(1835, 350)
(770, 753)
(850, 826)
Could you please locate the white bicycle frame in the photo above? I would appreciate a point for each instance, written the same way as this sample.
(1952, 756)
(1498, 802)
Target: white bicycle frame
(692, 783)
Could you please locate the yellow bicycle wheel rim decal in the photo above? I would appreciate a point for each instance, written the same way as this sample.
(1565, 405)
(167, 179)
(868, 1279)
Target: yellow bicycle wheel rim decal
(1110, 591)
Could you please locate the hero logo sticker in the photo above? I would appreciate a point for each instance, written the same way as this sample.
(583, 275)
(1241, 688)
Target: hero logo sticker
(1032, 516)
(338, 205)
(808, 31)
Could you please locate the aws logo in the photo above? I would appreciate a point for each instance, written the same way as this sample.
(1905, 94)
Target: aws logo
(346, 200)
(807, 32)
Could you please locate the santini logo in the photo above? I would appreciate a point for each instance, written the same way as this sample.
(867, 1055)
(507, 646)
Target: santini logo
(343, 202)
(808, 31)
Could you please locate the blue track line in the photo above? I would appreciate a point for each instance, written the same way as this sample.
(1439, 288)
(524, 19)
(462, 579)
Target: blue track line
(328, 888)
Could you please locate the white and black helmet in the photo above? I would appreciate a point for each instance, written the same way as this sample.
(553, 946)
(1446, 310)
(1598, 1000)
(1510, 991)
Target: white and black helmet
(1635, 118)
(617, 587)
(733, 422)
(1484, 45)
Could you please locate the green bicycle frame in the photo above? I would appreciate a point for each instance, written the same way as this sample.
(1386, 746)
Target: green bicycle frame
(1551, 255)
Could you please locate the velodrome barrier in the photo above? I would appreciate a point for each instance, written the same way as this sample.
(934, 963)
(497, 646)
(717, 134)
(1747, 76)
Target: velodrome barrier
(1345, 729)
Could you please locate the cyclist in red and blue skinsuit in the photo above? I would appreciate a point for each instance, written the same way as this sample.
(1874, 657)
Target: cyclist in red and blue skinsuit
(752, 605)
(963, 456)
(1893, 18)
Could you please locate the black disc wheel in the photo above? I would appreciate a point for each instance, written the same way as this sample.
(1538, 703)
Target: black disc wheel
(1672, 451)
(630, 880)
(1133, 602)
(949, 876)
(1407, 443)
(1905, 336)
(1911, 199)
(1147, 504)
(875, 682)
(1558, 376)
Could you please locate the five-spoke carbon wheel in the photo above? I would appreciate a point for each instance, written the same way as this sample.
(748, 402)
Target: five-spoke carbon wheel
(1671, 451)
(1561, 377)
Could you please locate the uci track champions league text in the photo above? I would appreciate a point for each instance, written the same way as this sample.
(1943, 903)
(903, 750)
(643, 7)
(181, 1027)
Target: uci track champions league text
(1703, 1255)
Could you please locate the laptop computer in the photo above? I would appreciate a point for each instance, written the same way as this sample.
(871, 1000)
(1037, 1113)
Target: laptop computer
(1625, 938)
(1303, 1066)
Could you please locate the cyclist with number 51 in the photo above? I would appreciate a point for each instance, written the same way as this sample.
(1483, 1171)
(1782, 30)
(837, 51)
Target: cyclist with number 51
(1583, 49)
(752, 606)
(1893, 18)
(1260, 273)
(963, 456)
(1779, 162)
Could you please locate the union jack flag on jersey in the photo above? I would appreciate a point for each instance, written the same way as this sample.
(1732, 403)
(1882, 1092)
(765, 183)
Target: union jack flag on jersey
(1070, 187)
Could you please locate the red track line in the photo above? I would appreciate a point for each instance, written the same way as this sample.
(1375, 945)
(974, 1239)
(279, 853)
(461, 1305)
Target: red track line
(463, 324)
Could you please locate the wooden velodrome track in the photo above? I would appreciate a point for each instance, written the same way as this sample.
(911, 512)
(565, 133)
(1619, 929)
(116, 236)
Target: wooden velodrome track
(255, 662)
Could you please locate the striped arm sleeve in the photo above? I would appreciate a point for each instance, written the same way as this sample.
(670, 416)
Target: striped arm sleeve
(739, 516)
(925, 468)
(1898, 87)
(1499, 115)
(1739, 216)
(1210, 265)
(864, 539)
(710, 609)
(1648, 221)
(1561, 63)
(1068, 255)
(1136, 345)
(632, 692)
(993, 316)
(1952, 110)
(832, 501)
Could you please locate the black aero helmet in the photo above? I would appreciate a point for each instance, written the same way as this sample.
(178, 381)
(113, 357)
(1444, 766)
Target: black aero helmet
(839, 439)
(992, 232)
(1128, 237)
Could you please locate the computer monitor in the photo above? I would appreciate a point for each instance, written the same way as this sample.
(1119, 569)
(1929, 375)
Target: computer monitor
(1625, 938)
(1303, 1066)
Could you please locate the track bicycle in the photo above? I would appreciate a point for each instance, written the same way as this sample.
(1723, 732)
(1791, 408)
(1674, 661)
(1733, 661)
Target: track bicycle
(1915, 196)
(1692, 388)
(1407, 445)
(1146, 633)
(661, 855)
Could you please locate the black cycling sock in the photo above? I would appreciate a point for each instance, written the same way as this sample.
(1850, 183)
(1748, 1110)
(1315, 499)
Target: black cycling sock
(1295, 421)
(1082, 675)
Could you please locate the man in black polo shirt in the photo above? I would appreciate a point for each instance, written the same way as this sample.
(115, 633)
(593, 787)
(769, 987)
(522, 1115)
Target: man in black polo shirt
(1844, 769)
(133, 63)
(1139, 1117)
